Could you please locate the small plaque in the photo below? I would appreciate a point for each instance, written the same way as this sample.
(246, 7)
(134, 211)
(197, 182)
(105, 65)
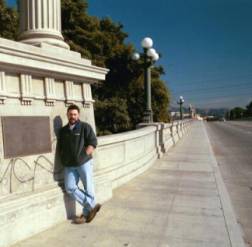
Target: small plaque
(26, 135)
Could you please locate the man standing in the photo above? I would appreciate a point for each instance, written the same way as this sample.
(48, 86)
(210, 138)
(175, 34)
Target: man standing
(77, 142)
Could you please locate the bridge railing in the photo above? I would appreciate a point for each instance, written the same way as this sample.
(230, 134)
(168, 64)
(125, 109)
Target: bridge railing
(121, 157)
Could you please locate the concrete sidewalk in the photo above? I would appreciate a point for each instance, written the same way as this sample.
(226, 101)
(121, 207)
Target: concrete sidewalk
(180, 202)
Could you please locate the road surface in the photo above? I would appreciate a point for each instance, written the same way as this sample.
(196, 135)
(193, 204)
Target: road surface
(232, 145)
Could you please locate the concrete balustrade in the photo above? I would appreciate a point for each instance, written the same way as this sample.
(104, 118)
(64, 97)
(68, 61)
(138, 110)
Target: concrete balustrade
(121, 157)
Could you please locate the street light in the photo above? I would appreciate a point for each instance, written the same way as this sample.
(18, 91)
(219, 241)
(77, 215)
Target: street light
(191, 111)
(180, 103)
(150, 56)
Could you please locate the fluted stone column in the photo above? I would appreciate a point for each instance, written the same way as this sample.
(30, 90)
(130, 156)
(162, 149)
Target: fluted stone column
(40, 22)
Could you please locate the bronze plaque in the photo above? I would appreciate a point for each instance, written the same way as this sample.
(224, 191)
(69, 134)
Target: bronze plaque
(26, 135)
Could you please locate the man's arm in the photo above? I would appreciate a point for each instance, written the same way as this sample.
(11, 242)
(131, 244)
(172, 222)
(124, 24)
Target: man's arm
(91, 140)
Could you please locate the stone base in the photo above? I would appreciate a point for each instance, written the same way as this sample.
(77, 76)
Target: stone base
(39, 41)
(26, 215)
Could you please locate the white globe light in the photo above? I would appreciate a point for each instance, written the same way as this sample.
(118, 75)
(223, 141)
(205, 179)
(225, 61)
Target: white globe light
(135, 56)
(147, 43)
(151, 52)
(155, 57)
(181, 98)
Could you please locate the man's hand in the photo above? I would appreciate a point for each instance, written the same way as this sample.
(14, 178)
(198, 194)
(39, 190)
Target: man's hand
(89, 150)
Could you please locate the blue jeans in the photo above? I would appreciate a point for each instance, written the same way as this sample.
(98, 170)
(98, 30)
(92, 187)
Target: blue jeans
(85, 197)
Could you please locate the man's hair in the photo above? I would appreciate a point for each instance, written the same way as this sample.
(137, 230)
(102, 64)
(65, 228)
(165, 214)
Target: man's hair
(73, 107)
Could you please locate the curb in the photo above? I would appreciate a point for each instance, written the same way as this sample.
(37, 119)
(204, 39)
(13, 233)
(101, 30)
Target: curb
(233, 228)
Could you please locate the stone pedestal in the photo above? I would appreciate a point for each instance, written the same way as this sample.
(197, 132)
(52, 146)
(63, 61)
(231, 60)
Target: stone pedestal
(39, 78)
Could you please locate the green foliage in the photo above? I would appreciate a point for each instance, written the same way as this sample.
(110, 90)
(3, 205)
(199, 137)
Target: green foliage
(136, 101)
(93, 38)
(122, 94)
(249, 109)
(237, 113)
(8, 22)
(160, 101)
(240, 113)
(111, 116)
(120, 99)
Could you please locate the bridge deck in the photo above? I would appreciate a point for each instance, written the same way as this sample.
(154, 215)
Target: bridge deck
(178, 202)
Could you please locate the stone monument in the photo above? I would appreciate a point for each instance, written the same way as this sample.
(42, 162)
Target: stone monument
(39, 77)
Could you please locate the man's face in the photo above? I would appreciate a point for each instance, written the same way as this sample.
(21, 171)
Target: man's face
(73, 116)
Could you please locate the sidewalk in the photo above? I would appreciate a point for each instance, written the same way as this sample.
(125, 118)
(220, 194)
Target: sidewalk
(180, 202)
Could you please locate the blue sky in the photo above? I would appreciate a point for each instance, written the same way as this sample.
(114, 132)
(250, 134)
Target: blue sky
(206, 45)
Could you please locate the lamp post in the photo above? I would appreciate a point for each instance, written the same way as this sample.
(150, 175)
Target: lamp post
(180, 103)
(190, 110)
(150, 56)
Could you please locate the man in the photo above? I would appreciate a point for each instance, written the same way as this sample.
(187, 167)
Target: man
(77, 142)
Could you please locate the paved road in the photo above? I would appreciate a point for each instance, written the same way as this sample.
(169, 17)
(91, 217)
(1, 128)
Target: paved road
(232, 145)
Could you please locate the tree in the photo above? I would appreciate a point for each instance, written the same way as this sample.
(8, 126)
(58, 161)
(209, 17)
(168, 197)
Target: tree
(160, 99)
(79, 30)
(237, 113)
(112, 116)
(160, 96)
(103, 41)
(8, 22)
(249, 110)
(119, 100)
